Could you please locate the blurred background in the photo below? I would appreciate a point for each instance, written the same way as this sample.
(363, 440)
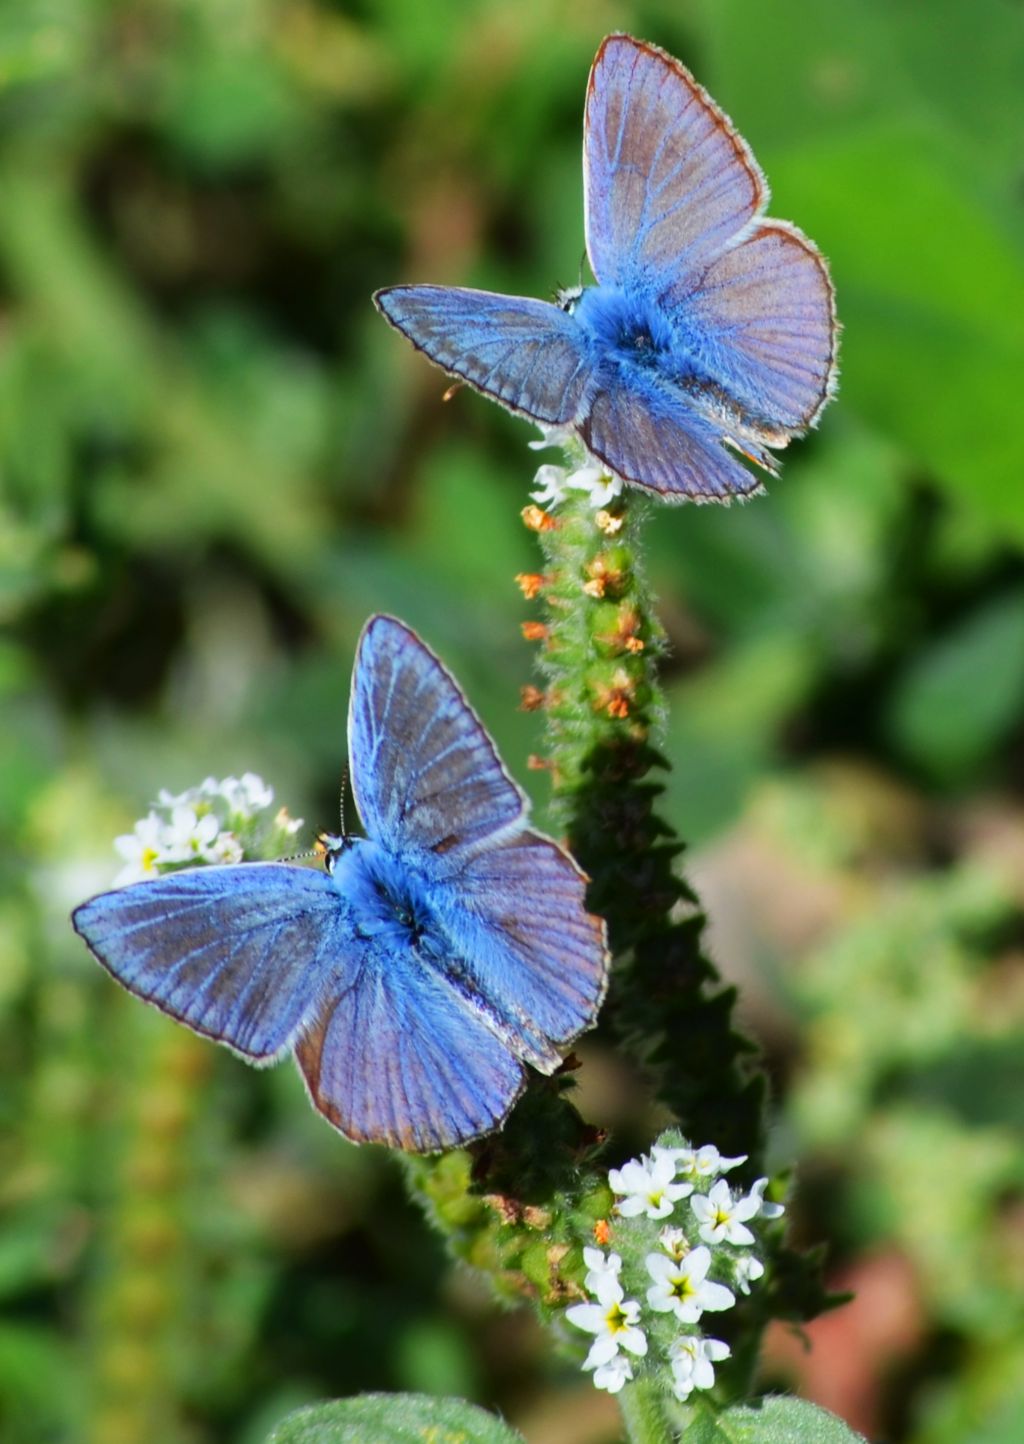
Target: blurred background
(216, 460)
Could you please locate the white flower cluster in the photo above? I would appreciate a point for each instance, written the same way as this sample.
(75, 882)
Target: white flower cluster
(554, 483)
(676, 1274)
(201, 825)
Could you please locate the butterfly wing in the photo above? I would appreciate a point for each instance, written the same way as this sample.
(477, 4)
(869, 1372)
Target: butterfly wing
(237, 953)
(522, 965)
(408, 1058)
(650, 436)
(765, 311)
(528, 355)
(517, 912)
(668, 180)
(425, 1051)
(426, 776)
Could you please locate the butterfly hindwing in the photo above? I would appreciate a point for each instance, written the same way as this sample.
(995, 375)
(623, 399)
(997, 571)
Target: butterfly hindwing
(528, 355)
(669, 181)
(426, 776)
(649, 436)
(518, 911)
(238, 953)
(405, 1058)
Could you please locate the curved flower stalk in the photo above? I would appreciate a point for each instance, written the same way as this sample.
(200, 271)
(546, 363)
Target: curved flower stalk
(522, 1205)
(600, 643)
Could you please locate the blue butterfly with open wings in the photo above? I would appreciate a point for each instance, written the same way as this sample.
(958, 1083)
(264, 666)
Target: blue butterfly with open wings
(416, 976)
(711, 334)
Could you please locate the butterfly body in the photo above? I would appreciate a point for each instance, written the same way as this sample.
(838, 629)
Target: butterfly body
(416, 975)
(711, 330)
(636, 345)
(385, 898)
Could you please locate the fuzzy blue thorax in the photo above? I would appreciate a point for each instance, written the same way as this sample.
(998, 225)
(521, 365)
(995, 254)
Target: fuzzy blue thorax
(388, 898)
(626, 327)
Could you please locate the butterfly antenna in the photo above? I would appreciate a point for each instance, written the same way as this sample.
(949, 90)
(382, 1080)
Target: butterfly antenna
(327, 845)
(342, 799)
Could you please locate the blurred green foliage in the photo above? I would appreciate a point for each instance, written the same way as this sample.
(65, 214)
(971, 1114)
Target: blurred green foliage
(215, 461)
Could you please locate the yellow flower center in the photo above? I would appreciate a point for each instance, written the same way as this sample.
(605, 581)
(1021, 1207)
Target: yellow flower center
(149, 857)
(721, 1217)
(682, 1288)
(616, 1320)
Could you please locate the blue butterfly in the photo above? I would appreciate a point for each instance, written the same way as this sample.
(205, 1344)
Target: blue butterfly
(415, 977)
(710, 327)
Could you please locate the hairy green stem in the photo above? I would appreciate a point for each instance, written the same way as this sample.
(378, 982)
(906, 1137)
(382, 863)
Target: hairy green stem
(642, 1405)
(521, 1204)
(601, 642)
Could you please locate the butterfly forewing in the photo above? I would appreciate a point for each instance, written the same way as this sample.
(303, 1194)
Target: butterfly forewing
(668, 180)
(526, 354)
(237, 953)
(424, 771)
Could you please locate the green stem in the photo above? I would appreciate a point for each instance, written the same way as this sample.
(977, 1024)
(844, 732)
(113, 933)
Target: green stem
(521, 1203)
(642, 1405)
(601, 645)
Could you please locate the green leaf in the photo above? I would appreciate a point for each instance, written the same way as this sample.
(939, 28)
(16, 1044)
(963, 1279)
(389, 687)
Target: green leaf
(393, 1419)
(875, 142)
(964, 694)
(772, 1421)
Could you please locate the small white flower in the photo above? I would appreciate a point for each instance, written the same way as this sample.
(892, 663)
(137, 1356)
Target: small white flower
(674, 1242)
(141, 850)
(288, 825)
(596, 482)
(682, 1287)
(247, 794)
(646, 1186)
(225, 848)
(189, 837)
(723, 1218)
(550, 436)
(765, 1209)
(170, 800)
(704, 1162)
(613, 1319)
(693, 1361)
(613, 1375)
(748, 1268)
(599, 1267)
(551, 484)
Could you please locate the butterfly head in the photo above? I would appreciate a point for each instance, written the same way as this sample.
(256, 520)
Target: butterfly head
(567, 296)
(330, 846)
